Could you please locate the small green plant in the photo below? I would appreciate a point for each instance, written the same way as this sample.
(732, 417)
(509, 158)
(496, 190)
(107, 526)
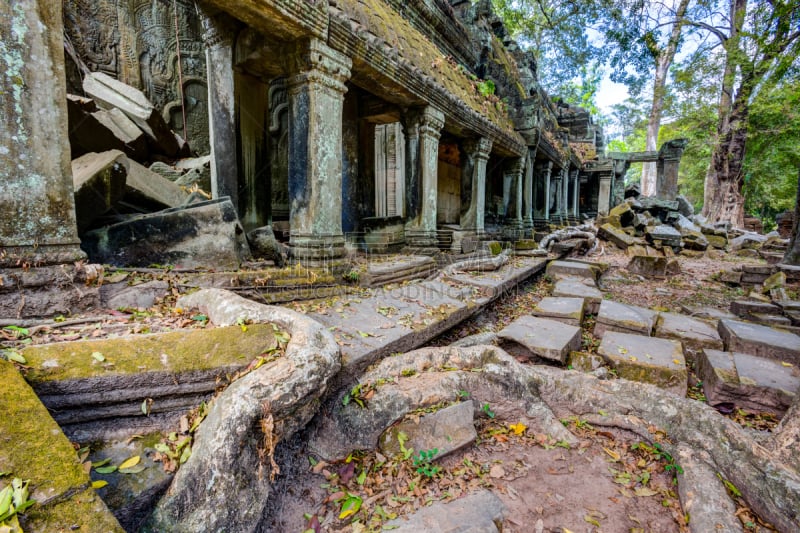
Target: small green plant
(402, 438)
(352, 275)
(486, 87)
(461, 394)
(487, 410)
(424, 463)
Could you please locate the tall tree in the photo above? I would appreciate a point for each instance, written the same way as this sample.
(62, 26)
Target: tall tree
(760, 43)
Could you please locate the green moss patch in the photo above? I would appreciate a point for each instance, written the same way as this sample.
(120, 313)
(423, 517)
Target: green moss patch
(178, 351)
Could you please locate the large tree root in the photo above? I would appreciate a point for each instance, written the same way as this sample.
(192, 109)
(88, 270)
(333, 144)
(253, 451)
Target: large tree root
(225, 484)
(705, 441)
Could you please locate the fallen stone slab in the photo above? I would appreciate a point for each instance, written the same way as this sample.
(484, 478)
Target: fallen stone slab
(576, 288)
(480, 512)
(792, 271)
(759, 340)
(747, 241)
(124, 296)
(491, 285)
(35, 449)
(651, 360)
(94, 399)
(654, 267)
(566, 310)
(541, 337)
(398, 270)
(445, 431)
(771, 320)
(667, 235)
(745, 308)
(614, 316)
(110, 93)
(747, 381)
(615, 235)
(149, 191)
(730, 276)
(694, 334)
(198, 235)
(488, 338)
(621, 215)
(561, 269)
(99, 181)
(93, 130)
(707, 313)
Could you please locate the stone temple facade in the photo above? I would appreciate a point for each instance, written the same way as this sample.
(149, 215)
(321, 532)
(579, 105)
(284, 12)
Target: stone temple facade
(384, 123)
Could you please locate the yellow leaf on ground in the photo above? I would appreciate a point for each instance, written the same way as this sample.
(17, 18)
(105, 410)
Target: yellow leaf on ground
(132, 461)
(633, 358)
(614, 455)
(99, 484)
(518, 428)
(644, 491)
(784, 363)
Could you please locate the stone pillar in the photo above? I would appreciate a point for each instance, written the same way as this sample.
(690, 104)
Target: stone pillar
(477, 153)
(548, 172)
(527, 197)
(559, 196)
(429, 122)
(604, 194)
(316, 87)
(576, 185)
(219, 41)
(565, 193)
(669, 159)
(37, 225)
(516, 169)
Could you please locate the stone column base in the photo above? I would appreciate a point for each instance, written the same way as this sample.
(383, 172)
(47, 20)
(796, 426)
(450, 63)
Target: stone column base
(33, 256)
(316, 248)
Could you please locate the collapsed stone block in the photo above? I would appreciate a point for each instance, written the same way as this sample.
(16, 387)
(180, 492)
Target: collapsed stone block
(694, 334)
(650, 266)
(762, 341)
(541, 337)
(446, 430)
(566, 310)
(264, 244)
(562, 269)
(150, 191)
(99, 181)
(110, 93)
(621, 239)
(614, 316)
(577, 288)
(206, 234)
(747, 381)
(94, 130)
(651, 360)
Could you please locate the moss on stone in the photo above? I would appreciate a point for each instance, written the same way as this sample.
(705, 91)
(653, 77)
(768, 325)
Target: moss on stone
(32, 447)
(177, 351)
(495, 248)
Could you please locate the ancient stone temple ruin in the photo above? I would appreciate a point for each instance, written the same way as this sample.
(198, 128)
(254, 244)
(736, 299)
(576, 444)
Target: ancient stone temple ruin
(374, 122)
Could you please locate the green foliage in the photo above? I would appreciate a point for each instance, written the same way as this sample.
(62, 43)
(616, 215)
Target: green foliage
(424, 463)
(487, 410)
(486, 87)
(13, 501)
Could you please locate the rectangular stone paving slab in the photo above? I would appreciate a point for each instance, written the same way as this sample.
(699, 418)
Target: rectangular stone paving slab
(561, 269)
(762, 341)
(445, 431)
(748, 381)
(543, 337)
(566, 310)
(480, 512)
(614, 316)
(576, 288)
(651, 360)
(694, 334)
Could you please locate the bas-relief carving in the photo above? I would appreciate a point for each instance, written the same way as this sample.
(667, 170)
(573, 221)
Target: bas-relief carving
(135, 41)
(279, 148)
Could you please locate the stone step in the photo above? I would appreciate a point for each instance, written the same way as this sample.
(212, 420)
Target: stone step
(35, 449)
(94, 399)
(693, 333)
(577, 288)
(566, 310)
(651, 360)
(561, 269)
(748, 381)
(762, 341)
(614, 316)
(541, 337)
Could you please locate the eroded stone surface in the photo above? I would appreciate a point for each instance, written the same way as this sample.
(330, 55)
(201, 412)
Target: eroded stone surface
(99, 180)
(480, 512)
(566, 310)
(651, 360)
(542, 337)
(446, 431)
(748, 381)
(694, 334)
(561, 269)
(760, 340)
(614, 316)
(575, 288)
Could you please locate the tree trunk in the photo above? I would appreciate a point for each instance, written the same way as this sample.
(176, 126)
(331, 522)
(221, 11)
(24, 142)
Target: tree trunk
(663, 62)
(723, 200)
(792, 256)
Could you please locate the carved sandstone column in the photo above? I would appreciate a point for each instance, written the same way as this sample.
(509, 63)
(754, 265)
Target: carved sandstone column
(477, 153)
(219, 39)
(604, 194)
(527, 197)
(37, 225)
(548, 174)
(576, 185)
(516, 169)
(429, 123)
(316, 95)
(669, 159)
(558, 183)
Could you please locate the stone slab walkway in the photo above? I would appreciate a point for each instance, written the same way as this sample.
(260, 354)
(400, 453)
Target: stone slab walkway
(647, 359)
(549, 339)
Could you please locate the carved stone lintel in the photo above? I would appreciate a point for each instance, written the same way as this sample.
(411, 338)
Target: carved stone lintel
(218, 30)
(431, 122)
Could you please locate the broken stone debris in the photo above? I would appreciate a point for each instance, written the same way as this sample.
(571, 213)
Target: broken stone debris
(110, 93)
(446, 430)
(480, 512)
(95, 130)
(263, 244)
(566, 310)
(541, 337)
(615, 316)
(202, 234)
(99, 181)
(762, 341)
